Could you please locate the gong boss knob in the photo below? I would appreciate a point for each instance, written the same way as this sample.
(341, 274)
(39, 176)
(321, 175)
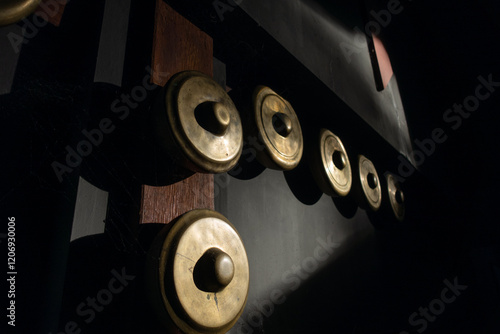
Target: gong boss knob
(366, 185)
(197, 122)
(276, 128)
(198, 274)
(330, 165)
(396, 197)
(12, 11)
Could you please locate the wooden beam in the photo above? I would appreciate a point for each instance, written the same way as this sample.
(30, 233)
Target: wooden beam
(178, 45)
(51, 10)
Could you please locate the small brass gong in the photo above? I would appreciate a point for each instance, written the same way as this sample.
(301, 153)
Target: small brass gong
(198, 273)
(368, 189)
(396, 197)
(279, 142)
(12, 11)
(330, 164)
(198, 122)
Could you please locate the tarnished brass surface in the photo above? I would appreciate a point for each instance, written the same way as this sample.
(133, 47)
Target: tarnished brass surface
(280, 143)
(396, 197)
(12, 11)
(199, 273)
(202, 122)
(330, 165)
(367, 177)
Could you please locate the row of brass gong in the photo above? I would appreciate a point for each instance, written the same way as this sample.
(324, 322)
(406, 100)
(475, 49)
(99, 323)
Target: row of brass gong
(198, 274)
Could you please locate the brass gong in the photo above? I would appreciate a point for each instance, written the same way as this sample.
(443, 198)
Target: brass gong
(330, 165)
(198, 122)
(279, 143)
(367, 184)
(198, 273)
(396, 197)
(12, 11)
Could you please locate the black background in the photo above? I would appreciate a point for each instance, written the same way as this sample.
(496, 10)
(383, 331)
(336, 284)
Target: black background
(437, 50)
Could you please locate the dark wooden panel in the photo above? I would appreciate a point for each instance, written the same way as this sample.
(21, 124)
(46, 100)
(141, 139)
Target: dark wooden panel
(52, 10)
(178, 45)
(162, 204)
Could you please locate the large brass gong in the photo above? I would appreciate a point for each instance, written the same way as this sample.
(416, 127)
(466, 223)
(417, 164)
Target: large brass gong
(198, 273)
(330, 164)
(276, 128)
(366, 185)
(12, 11)
(396, 197)
(198, 123)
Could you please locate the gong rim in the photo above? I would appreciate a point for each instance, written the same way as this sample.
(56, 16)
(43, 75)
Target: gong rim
(12, 11)
(206, 150)
(396, 197)
(333, 164)
(191, 309)
(372, 193)
(283, 143)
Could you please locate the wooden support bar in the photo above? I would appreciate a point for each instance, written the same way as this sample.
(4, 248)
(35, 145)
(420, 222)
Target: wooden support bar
(178, 45)
(51, 10)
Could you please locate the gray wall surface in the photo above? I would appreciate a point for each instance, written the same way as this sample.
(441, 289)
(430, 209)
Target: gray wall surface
(337, 55)
(287, 242)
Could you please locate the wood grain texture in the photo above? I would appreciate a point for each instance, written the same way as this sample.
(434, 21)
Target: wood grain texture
(178, 45)
(163, 204)
(51, 10)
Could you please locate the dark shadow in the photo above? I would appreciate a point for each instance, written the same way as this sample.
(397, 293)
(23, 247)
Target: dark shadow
(88, 303)
(377, 283)
(104, 285)
(382, 219)
(302, 184)
(158, 167)
(247, 167)
(159, 160)
(129, 152)
(346, 205)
